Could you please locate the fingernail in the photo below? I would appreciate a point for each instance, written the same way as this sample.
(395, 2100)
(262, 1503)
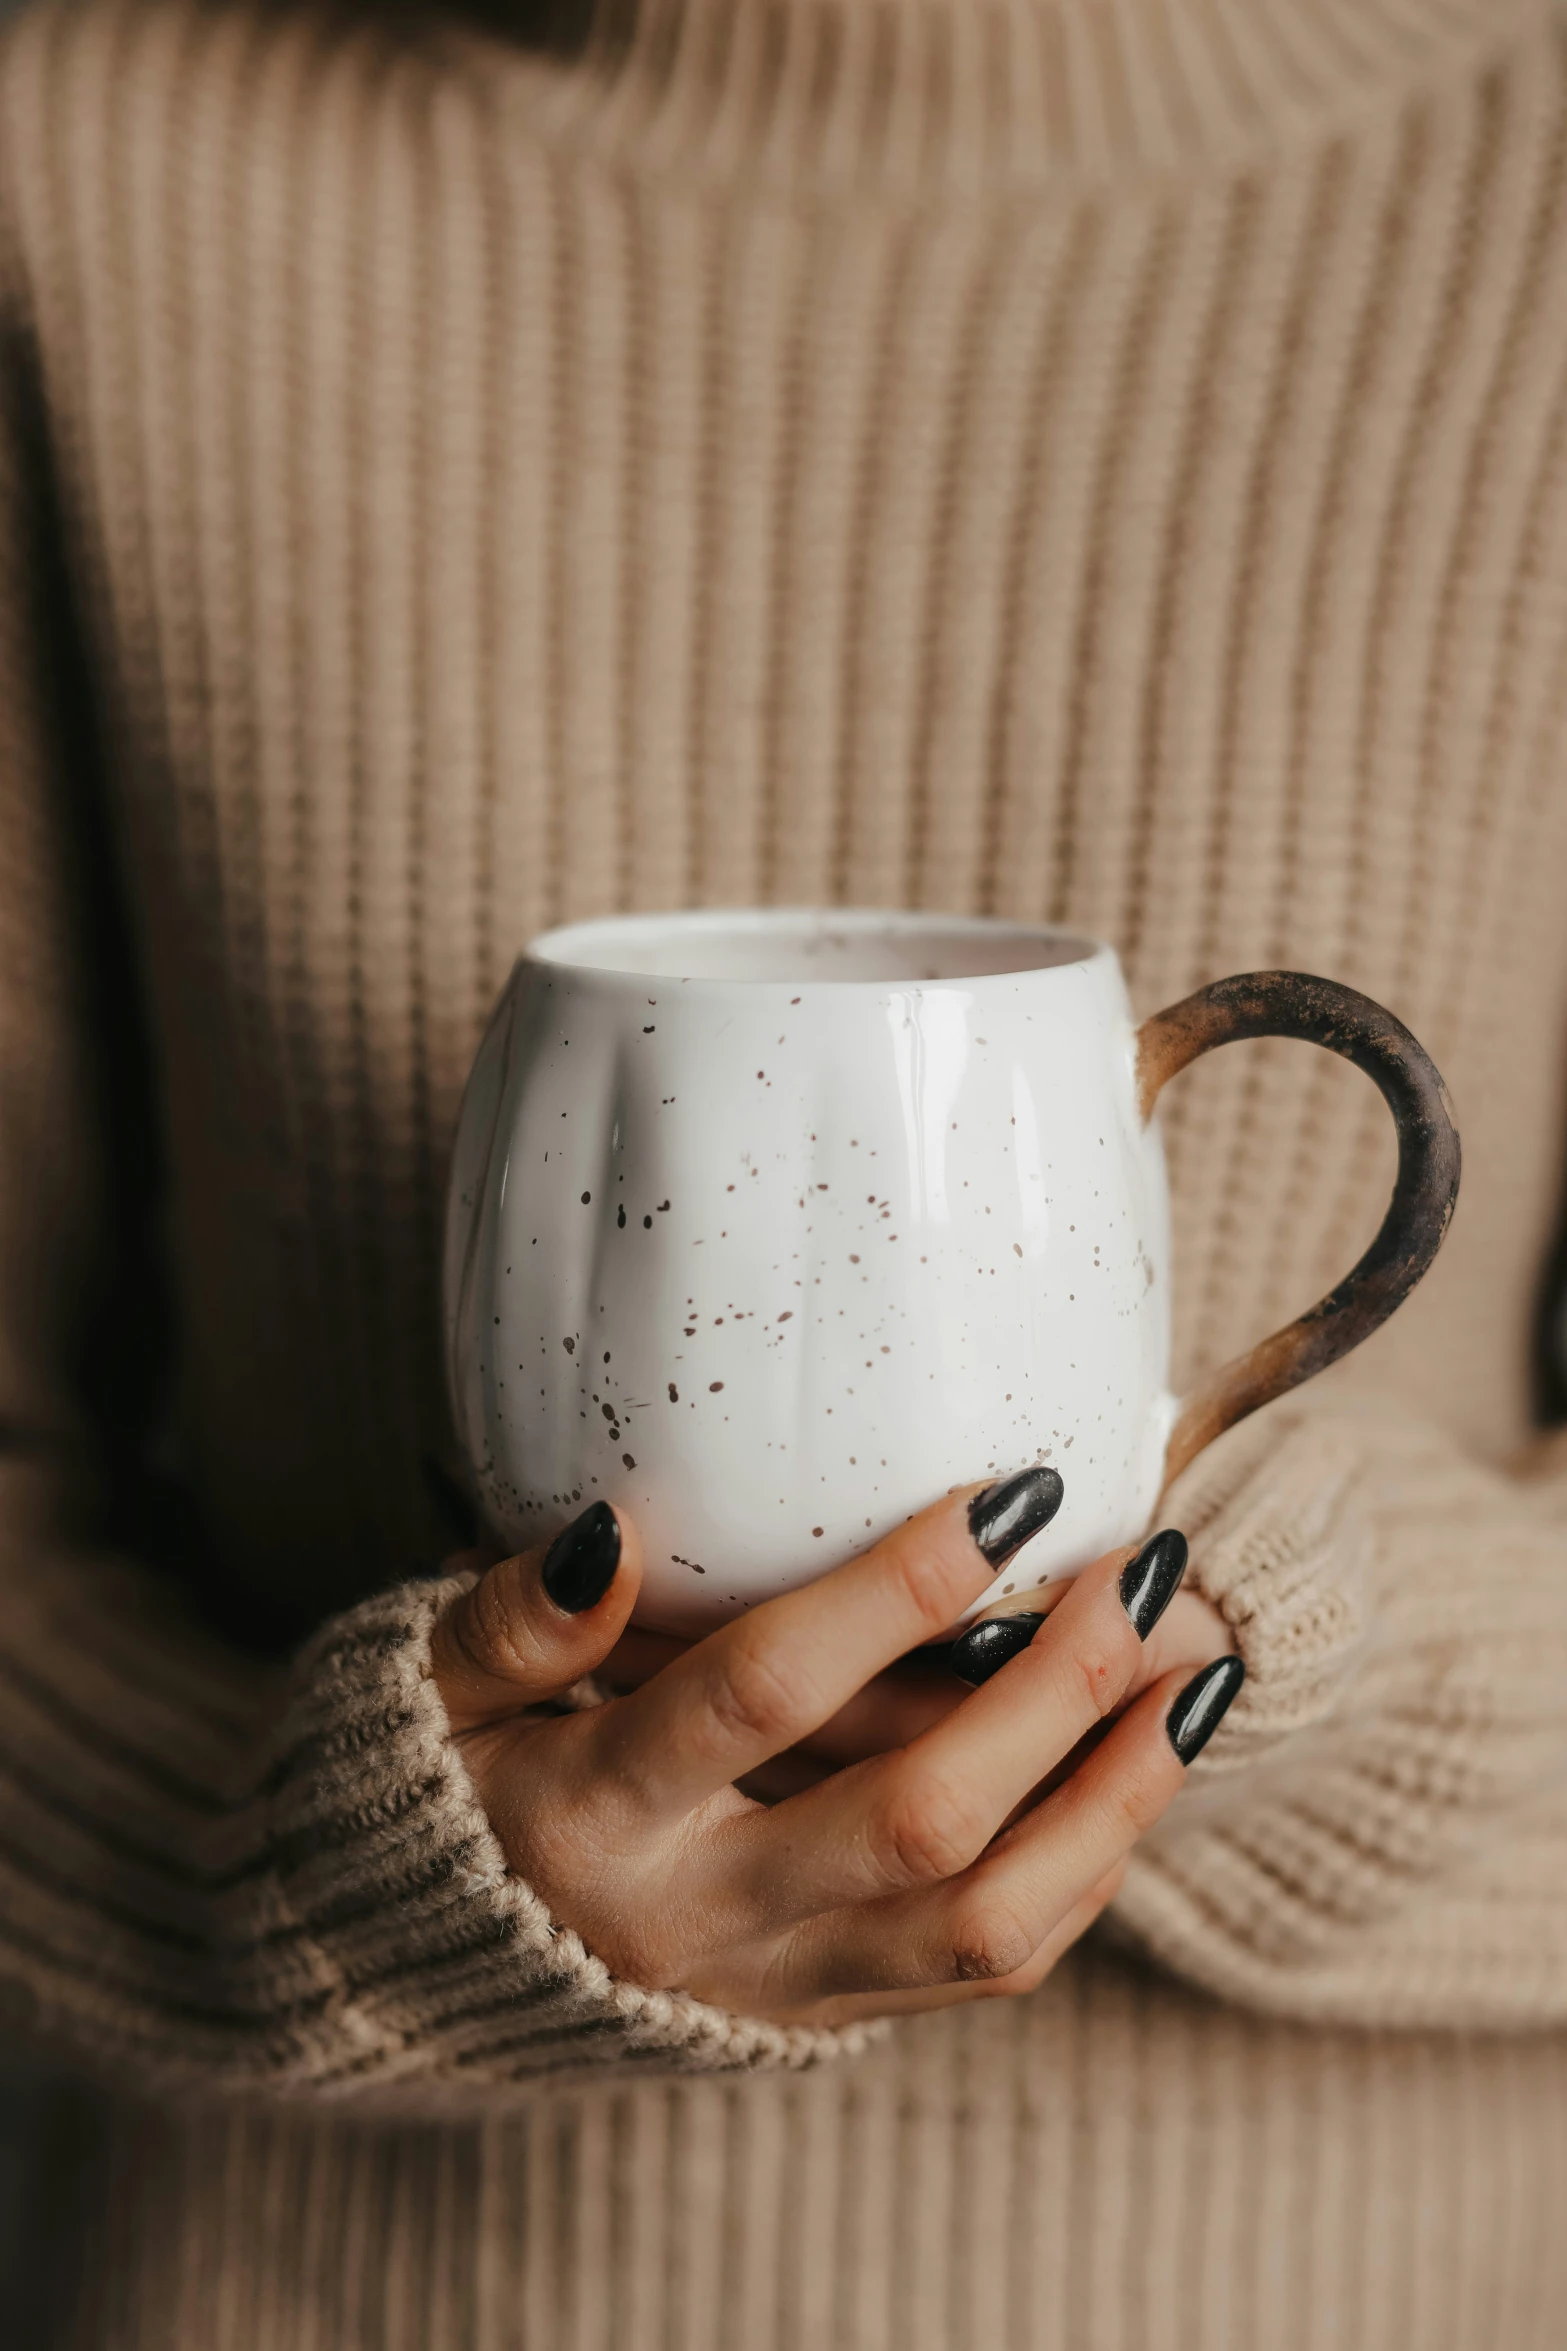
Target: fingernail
(580, 1564)
(1150, 1581)
(1202, 1705)
(985, 1648)
(1002, 1519)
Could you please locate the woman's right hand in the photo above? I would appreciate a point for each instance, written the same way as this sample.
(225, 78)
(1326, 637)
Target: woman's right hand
(905, 1880)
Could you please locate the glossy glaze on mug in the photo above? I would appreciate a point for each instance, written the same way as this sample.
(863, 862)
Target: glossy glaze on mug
(777, 1243)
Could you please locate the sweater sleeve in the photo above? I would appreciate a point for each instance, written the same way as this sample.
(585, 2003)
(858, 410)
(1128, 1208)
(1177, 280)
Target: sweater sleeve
(208, 1870)
(282, 1885)
(1378, 1834)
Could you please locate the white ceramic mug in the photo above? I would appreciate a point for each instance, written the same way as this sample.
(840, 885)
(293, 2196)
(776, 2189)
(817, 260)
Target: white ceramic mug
(774, 1226)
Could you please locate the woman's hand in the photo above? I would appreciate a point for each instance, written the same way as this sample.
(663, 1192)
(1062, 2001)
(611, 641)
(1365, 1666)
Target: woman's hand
(907, 1878)
(916, 1691)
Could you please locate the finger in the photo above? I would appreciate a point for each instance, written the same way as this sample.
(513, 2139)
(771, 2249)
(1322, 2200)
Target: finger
(913, 1818)
(535, 1624)
(892, 1708)
(985, 1926)
(1035, 1606)
(889, 1712)
(1191, 1632)
(1149, 1575)
(772, 1677)
(1124, 1784)
(856, 2007)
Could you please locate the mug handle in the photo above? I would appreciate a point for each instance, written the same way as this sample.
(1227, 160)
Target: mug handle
(1294, 1004)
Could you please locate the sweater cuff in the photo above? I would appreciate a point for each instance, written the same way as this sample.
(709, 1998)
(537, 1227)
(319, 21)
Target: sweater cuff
(1396, 1855)
(428, 1957)
(1280, 1549)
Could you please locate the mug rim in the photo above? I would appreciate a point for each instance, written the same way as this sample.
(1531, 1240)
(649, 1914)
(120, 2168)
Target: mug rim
(564, 946)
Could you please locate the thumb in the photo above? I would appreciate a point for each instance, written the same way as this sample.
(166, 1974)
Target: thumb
(533, 1625)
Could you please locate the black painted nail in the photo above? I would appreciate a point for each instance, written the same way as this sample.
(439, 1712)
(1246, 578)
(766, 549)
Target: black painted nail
(1150, 1581)
(580, 1564)
(1201, 1707)
(1002, 1519)
(985, 1648)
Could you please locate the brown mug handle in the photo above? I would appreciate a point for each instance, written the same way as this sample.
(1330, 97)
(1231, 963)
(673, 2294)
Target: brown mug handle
(1294, 1004)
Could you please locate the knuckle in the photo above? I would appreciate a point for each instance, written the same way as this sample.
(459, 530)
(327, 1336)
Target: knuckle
(1133, 1802)
(924, 1832)
(925, 1587)
(488, 1630)
(1024, 1979)
(989, 1943)
(1144, 1803)
(757, 1700)
(598, 1807)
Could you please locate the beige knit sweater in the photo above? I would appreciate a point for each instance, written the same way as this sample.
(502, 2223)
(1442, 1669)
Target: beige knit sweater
(1096, 459)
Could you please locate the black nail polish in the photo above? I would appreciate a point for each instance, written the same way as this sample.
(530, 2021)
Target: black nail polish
(985, 1648)
(1150, 1581)
(1002, 1519)
(1202, 1705)
(580, 1564)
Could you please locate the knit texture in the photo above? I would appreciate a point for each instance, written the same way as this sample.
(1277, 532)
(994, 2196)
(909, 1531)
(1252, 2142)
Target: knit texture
(1102, 464)
(343, 1920)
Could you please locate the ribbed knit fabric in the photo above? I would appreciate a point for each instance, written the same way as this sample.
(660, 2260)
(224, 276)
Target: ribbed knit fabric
(1112, 2164)
(1096, 461)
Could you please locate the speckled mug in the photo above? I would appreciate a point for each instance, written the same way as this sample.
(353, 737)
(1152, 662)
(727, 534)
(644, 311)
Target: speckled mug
(774, 1226)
